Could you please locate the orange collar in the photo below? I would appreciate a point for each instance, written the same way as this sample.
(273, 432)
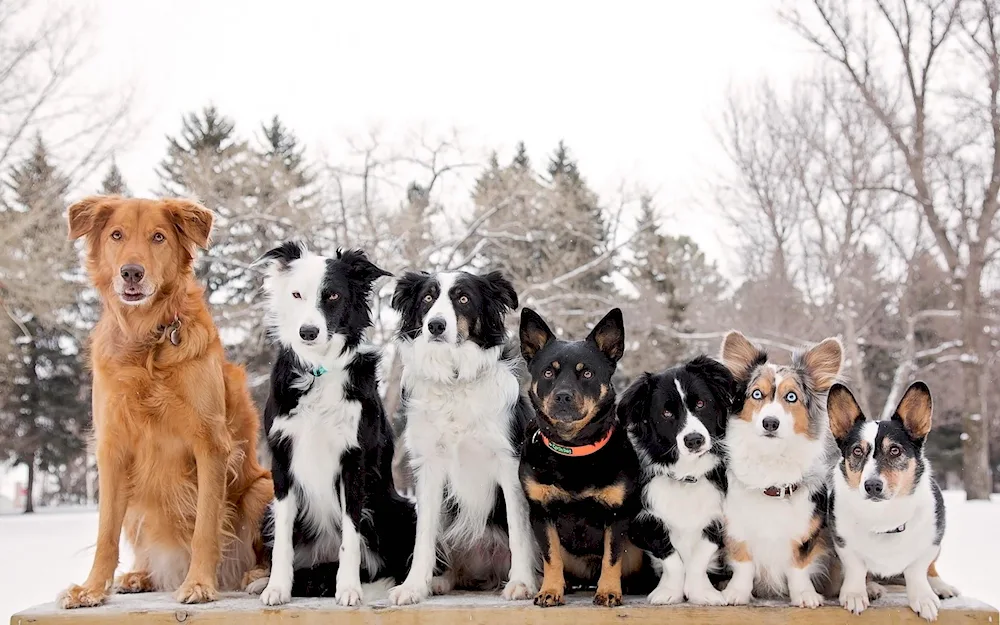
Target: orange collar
(582, 450)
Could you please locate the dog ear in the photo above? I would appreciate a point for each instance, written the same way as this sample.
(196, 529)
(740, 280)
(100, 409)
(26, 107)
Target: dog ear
(844, 411)
(741, 356)
(915, 409)
(283, 255)
(822, 363)
(88, 215)
(407, 289)
(192, 220)
(634, 403)
(720, 381)
(500, 289)
(360, 267)
(609, 335)
(534, 334)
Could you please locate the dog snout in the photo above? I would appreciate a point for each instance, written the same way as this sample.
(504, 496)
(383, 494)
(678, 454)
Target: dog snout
(437, 326)
(770, 424)
(563, 398)
(132, 273)
(308, 333)
(694, 441)
(874, 487)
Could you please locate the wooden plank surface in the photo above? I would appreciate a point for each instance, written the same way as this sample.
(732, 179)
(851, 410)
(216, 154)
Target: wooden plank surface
(488, 609)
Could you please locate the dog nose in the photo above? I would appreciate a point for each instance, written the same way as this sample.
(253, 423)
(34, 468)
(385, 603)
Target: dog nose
(563, 397)
(694, 441)
(770, 424)
(436, 326)
(308, 333)
(873, 487)
(132, 273)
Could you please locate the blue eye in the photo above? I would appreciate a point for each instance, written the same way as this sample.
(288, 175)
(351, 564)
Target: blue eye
(756, 394)
(791, 397)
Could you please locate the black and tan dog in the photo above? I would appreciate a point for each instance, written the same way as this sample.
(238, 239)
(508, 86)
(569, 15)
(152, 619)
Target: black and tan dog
(578, 468)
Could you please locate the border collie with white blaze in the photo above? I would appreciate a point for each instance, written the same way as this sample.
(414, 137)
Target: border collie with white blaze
(336, 514)
(465, 425)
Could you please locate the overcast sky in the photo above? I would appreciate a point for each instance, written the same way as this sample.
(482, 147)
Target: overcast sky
(633, 87)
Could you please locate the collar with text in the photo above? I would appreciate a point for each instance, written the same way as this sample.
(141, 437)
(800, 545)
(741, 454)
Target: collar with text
(573, 450)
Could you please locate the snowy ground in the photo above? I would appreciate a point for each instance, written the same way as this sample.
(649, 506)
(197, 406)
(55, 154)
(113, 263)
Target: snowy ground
(45, 552)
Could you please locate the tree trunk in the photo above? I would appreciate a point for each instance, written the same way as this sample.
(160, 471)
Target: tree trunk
(976, 472)
(857, 361)
(29, 490)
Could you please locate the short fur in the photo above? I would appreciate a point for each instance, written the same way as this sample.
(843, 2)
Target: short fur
(581, 506)
(886, 510)
(465, 425)
(336, 516)
(778, 442)
(176, 431)
(677, 421)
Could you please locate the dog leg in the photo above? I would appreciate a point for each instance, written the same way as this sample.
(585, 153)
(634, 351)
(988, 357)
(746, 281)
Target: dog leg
(670, 590)
(111, 474)
(352, 488)
(919, 592)
(201, 582)
(943, 590)
(739, 590)
(522, 583)
(854, 591)
(609, 584)
(697, 586)
(553, 579)
(430, 495)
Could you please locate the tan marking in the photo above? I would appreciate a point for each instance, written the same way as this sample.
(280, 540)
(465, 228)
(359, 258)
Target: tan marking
(843, 410)
(932, 569)
(611, 496)
(553, 578)
(545, 493)
(818, 548)
(604, 392)
(737, 550)
(587, 407)
(765, 383)
(854, 469)
(534, 388)
(609, 584)
(822, 363)
(915, 410)
(579, 366)
(800, 416)
(631, 558)
(899, 481)
(738, 354)
(555, 365)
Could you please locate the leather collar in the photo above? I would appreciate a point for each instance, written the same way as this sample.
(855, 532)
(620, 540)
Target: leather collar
(781, 491)
(570, 450)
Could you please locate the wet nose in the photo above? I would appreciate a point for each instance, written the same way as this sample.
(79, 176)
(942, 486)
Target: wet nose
(563, 398)
(133, 273)
(308, 333)
(770, 424)
(873, 487)
(436, 326)
(694, 441)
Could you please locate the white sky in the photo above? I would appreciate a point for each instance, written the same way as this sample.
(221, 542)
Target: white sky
(633, 87)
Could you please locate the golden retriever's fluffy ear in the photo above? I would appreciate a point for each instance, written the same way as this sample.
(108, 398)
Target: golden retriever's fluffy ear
(88, 214)
(192, 220)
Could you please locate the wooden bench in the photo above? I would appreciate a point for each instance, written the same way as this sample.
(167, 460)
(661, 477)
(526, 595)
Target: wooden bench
(489, 609)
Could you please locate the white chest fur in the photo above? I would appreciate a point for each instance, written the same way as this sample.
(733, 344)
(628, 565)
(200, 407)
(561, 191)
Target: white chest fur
(686, 509)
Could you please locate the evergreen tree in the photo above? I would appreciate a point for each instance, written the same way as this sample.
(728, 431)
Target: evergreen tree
(521, 161)
(114, 183)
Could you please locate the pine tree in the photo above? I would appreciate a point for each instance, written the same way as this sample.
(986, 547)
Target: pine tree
(114, 183)
(521, 161)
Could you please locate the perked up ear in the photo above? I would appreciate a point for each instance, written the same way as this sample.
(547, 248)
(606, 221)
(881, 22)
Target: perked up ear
(534, 334)
(740, 355)
(283, 255)
(88, 215)
(192, 220)
(633, 406)
(609, 335)
(915, 409)
(360, 267)
(501, 289)
(844, 411)
(407, 289)
(822, 363)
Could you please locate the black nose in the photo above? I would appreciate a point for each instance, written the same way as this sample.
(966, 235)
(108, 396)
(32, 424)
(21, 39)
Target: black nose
(694, 441)
(563, 397)
(133, 273)
(308, 333)
(436, 326)
(873, 487)
(770, 424)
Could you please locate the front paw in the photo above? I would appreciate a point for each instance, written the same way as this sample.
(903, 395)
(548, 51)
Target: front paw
(516, 590)
(442, 584)
(608, 598)
(665, 595)
(407, 594)
(706, 595)
(807, 598)
(196, 592)
(875, 591)
(276, 594)
(136, 581)
(81, 597)
(257, 586)
(854, 600)
(943, 590)
(925, 604)
(348, 595)
(548, 597)
(735, 595)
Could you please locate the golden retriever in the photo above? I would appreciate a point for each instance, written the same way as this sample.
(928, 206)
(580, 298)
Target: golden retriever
(175, 429)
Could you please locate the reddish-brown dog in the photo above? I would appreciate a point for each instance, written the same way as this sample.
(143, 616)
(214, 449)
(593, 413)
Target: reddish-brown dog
(176, 432)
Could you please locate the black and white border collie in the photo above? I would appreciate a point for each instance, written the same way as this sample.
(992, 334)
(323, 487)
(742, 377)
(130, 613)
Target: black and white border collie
(887, 511)
(336, 513)
(466, 417)
(677, 420)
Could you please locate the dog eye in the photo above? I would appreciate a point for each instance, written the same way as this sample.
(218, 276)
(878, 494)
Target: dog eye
(757, 394)
(587, 374)
(699, 405)
(117, 235)
(428, 298)
(296, 295)
(333, 297)
(667, 413)
(858, 451)
(548, 373)
(791, 397)
(158, 237)
(895, 450)
(464, 299)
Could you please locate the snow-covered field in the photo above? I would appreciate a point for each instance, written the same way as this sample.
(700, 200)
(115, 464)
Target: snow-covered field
(43, 553)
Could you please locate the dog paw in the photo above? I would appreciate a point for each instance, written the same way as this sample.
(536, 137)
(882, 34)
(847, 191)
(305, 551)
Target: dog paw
(257, 586)
(255, 575)
(608, 598)
(136, 581)
(276, 594)
(807, 598)
(442, 584)
(517, 591)
(81, 597)
(705, 596)
(925, 604)
(349, 595)
(196, 592)
(875, 591)
(548, 597)
(407, 595)
(665, 595)
(854, 601)
(737, 596)
(943, 590)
